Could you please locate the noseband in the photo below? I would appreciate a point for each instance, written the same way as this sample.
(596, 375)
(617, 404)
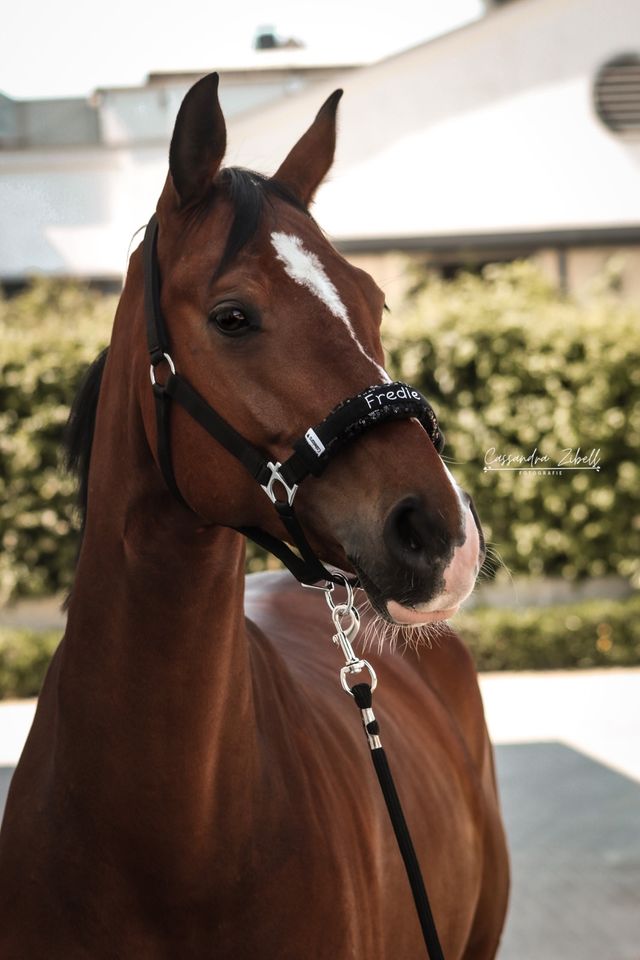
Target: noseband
(311, 453)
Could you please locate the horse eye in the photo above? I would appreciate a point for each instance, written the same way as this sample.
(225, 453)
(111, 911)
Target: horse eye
(231, 320)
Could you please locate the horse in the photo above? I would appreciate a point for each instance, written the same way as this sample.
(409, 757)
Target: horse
(196, 783)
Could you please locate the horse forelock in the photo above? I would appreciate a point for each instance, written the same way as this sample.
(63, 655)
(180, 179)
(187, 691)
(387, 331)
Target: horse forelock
(248, 192)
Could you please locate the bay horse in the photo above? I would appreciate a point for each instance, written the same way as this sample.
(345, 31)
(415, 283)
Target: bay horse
(195, 784)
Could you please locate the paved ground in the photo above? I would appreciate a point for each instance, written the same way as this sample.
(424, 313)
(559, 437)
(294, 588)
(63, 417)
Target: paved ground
(568, 752)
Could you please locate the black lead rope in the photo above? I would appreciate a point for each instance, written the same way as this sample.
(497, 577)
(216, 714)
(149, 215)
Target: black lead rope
(363, 696)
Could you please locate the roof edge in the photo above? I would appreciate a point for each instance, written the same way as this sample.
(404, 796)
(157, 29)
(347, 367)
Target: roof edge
(568, 237)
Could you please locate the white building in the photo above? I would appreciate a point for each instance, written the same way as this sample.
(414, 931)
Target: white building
(79, 177)
(518, 134)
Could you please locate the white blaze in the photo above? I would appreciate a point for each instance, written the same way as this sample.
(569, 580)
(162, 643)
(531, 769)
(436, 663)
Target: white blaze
(305, 268)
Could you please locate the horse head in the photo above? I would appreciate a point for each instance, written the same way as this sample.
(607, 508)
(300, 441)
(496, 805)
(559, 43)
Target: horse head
(274, 328)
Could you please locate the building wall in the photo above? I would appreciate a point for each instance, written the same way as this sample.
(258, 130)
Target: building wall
(579, 271)
(73, 212)
(588, 268)
(488, 129)
(47, 123)
(78, 178)
(147, 114)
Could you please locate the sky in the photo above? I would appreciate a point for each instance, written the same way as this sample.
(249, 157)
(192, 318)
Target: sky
(72, 47)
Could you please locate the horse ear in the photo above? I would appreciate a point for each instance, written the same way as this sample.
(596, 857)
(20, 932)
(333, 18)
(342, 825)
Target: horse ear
(199, 141)
(309, 161)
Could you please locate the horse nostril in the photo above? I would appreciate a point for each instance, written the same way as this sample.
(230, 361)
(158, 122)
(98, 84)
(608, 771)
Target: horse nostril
(405, 530)
(408, 533)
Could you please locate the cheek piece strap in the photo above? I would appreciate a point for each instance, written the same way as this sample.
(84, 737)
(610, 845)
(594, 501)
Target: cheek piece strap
(311, 453)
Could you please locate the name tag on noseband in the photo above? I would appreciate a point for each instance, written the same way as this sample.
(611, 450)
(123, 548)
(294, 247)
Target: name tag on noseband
(352, 417)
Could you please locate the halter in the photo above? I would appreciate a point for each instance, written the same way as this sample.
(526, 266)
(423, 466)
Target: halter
(311, 453)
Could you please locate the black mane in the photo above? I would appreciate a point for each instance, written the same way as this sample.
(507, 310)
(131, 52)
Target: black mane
(80, 427)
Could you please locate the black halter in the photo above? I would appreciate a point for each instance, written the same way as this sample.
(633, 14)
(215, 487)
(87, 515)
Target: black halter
(311, 453)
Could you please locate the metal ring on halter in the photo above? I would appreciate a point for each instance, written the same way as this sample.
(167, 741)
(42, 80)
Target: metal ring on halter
(357, 667)
(152, 368)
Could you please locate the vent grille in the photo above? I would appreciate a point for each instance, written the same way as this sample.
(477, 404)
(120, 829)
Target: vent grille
(617, 94)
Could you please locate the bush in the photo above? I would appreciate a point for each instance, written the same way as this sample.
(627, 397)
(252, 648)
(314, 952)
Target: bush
(596, 633)
(48, 335)
(24, 658)
(510, 364)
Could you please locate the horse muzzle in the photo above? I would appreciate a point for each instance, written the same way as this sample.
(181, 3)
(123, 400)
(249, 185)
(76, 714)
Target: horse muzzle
(424, 575)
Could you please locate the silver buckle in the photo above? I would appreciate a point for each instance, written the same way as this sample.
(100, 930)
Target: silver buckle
(276, 477)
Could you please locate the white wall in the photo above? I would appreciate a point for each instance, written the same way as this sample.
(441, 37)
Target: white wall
(74, 212)
(147, 114)
(490, 128)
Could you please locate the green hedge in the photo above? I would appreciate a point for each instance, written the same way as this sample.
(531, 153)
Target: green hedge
(511, 365)
(48, 335)
(595, 634)
(24, 658)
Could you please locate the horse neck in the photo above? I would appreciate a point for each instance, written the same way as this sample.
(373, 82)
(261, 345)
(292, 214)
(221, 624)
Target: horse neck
(155, 660)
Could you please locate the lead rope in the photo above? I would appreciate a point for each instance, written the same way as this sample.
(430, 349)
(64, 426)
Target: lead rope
(346, 620)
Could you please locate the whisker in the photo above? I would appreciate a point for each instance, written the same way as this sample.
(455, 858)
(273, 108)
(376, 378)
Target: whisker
(398, 637)
(494, 560)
